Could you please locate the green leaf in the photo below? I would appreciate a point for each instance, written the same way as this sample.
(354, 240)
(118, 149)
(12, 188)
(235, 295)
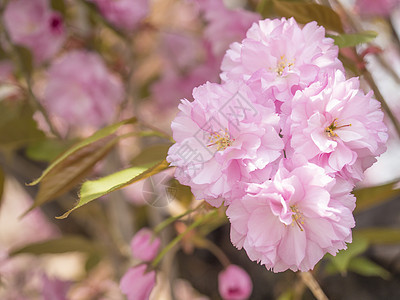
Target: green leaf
(71, 170)
(381, 236)
(94, 189)
(181, 192)
(371, 196)
(26, 59)
(366, 267)
(307, 12)
(59, 245)
(59, 6)
(342, 260)
(46, 150)
(265, 8)
(83, 146)
(17, 127)
(151, 154)
(93, 260)
(351, 40)
(287, 295)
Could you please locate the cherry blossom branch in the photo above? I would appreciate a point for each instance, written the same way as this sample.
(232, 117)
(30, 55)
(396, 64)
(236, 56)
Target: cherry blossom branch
(367, 75)
(162, 133)
(214, 249)
(170, 220)
(313, 285)
(31, 95)
(177, 239)
(370, 80)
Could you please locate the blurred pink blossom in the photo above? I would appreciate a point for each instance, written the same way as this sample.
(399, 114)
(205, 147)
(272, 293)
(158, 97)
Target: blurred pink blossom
(137, 284)
(225, 26)
(187, 62)
(81, 90)
(234, 283)
(54, 289)
(145, 245)
(32, 23)
(375, 7)
(6, 69)
(125, 14)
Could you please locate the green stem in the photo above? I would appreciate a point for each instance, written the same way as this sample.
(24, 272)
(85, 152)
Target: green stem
(161, 133)
(36, 103)
(141, 133)
(170, 220)
(31, 96)
(177, 239)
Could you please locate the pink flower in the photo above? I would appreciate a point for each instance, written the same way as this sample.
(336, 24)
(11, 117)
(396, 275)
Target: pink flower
(234, 283)
(125, 14)
(225, 26)
(376, 8)
(137, 284)
(144, 245)
(174, 85)
(32, 24)
(81, 90)
(223, 140)
(6, 69)
(293, 220)
(187, 63)
(279, 57)
(335, 125)
(54, 289)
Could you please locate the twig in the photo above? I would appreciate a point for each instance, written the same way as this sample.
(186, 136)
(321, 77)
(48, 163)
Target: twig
(368, 77)
(313, 285)
(215, 250)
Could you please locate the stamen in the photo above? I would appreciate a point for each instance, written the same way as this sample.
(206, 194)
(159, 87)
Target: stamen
(221, 140)
(283, 64)
(330, 130)
(297, 217)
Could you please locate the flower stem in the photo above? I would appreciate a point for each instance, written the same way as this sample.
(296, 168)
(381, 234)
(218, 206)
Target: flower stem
(170, 220)
(177, 239)
(214, 249)
(313, 285)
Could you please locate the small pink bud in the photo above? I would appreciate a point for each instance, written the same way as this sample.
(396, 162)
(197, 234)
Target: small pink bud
(234, 283)
(144, 245)
(137, 284)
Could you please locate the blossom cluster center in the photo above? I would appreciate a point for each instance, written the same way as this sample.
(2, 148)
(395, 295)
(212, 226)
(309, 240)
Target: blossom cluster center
(330, 130)
(220, 139)
(297, 217)
(283, 65)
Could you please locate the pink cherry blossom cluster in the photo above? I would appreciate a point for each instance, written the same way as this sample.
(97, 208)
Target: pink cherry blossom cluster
(281, 142)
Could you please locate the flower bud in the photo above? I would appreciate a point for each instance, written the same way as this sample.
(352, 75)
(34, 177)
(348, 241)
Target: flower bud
(137, 284)
(234, 283)
(144, 245)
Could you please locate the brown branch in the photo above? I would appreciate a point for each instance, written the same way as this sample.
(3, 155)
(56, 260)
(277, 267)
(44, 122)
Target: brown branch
(313, 285)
